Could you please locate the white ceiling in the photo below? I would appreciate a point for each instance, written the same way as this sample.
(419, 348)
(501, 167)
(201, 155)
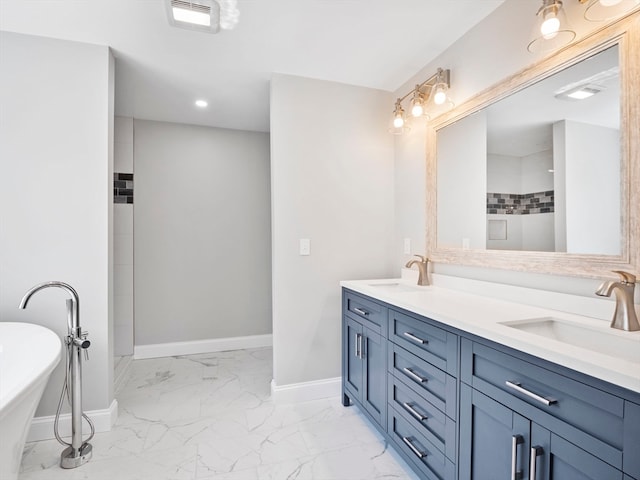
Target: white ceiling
(522, 124)
(162, 70)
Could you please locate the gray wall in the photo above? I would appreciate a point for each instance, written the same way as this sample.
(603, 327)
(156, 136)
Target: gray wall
(56, 165)
(332, 182)
(202, 266)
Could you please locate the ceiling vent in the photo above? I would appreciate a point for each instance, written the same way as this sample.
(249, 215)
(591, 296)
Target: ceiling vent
(203, 15)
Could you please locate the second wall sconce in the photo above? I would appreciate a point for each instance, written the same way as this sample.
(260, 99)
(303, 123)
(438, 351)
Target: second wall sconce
(551, 30)
(428, 96)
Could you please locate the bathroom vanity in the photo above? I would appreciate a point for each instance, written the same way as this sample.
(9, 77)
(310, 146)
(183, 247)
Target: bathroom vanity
(463, 387)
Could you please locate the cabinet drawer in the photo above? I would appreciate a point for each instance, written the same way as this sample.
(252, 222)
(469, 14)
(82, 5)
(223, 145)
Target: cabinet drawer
(584, 415)
(369, 313)
(435, 385)
(418, 449)
(422, 415)
(433, 344)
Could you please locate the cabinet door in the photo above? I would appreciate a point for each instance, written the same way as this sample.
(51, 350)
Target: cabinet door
(492, 438)
(554, 458)
(374, 391)
(353, 344)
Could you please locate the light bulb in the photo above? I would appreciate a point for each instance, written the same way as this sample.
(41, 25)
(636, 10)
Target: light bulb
(440, 96)
(417, 110)
(201, 103)
(550, 26)
(609, 3)
(398, 121)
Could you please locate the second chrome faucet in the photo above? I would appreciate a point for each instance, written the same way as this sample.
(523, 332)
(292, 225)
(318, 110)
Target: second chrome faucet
(423, 269)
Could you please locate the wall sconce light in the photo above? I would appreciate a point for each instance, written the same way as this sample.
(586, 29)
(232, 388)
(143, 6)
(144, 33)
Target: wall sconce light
(602, 10)
(551, 30)
(430, 95)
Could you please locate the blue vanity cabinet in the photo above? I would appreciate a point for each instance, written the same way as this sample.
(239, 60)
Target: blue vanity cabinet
(364, 356)
(457, 406)
(576, 431)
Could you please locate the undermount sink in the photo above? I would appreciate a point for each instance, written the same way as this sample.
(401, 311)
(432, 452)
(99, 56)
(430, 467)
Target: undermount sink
(614, 343)
(395, 287)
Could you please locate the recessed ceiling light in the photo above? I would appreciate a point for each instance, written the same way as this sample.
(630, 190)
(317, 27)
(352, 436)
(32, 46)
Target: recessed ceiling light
(201, 103)
(196, 17)
(580, 93)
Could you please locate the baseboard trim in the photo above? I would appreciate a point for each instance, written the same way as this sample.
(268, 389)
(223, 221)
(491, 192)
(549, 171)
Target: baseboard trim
(305, 391)
(201, 346)
(42, 427)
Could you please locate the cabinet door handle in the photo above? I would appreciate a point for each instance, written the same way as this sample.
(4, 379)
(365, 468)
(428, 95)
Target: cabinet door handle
(413, 448)
(535, 453)
(515, 441)
(414, 412)
(414, 375)
(356, 345)
(360, 345)
(414, 338)
(360, 311)
(518, 388)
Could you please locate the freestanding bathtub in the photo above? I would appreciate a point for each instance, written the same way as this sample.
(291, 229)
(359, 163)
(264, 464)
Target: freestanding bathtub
(28, 355)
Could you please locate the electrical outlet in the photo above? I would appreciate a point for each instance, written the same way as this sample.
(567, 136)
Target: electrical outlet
(407, 246)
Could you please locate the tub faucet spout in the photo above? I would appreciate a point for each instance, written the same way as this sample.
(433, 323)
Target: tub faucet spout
(78, 452)
(624, 316)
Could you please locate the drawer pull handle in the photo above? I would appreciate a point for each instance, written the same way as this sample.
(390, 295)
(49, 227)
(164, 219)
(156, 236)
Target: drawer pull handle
(413, 448)
(414, 412)
(515, 441)
(414, 375)
(414, 338)
(360, 311)
(518, 388)
(535, 453)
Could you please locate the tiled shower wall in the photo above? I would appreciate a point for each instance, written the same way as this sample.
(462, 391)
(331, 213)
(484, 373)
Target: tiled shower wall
(520, 203)
(123, 236)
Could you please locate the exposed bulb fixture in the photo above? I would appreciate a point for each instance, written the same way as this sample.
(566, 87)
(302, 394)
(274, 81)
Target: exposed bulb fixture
(398, 115)
(430, 95)
(602, 10)
(203, 15)
(417, 103)
(551, 30)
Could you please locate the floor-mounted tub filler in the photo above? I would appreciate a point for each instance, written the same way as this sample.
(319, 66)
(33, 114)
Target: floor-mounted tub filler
(28, 355)
(79, 451)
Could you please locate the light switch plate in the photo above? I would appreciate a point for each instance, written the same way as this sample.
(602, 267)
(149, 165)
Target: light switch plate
(305, 246)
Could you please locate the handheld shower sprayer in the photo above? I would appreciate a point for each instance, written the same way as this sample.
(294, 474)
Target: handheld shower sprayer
(78, 452)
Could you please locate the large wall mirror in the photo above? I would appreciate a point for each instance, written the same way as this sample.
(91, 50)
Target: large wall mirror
(540, 172)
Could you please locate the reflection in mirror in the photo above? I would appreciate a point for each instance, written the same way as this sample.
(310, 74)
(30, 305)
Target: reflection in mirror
(538, 170)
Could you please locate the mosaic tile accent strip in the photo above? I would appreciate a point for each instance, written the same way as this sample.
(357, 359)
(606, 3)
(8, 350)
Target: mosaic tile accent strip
(123, 188)
(520, 203)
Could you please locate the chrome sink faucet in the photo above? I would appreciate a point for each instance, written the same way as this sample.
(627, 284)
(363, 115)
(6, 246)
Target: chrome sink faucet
(624, 317)
(423, 269)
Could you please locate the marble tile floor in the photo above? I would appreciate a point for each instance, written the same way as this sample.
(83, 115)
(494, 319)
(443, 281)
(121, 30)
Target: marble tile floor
(210, 416)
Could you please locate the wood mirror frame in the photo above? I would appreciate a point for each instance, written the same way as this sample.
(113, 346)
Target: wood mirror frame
(626, 34)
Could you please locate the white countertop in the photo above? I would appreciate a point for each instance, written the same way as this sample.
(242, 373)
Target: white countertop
(482, 316)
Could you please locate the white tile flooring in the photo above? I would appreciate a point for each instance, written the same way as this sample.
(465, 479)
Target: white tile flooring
(210, 416)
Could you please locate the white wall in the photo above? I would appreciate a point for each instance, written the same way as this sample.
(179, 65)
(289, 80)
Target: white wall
(462, 183)
(478, 60)
(504, 173)
(56, 162)
(202, 233)
(123, 243)
(592, 175)
(332, 182)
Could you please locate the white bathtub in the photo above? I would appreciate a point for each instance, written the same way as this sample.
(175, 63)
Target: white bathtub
(28, 355)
